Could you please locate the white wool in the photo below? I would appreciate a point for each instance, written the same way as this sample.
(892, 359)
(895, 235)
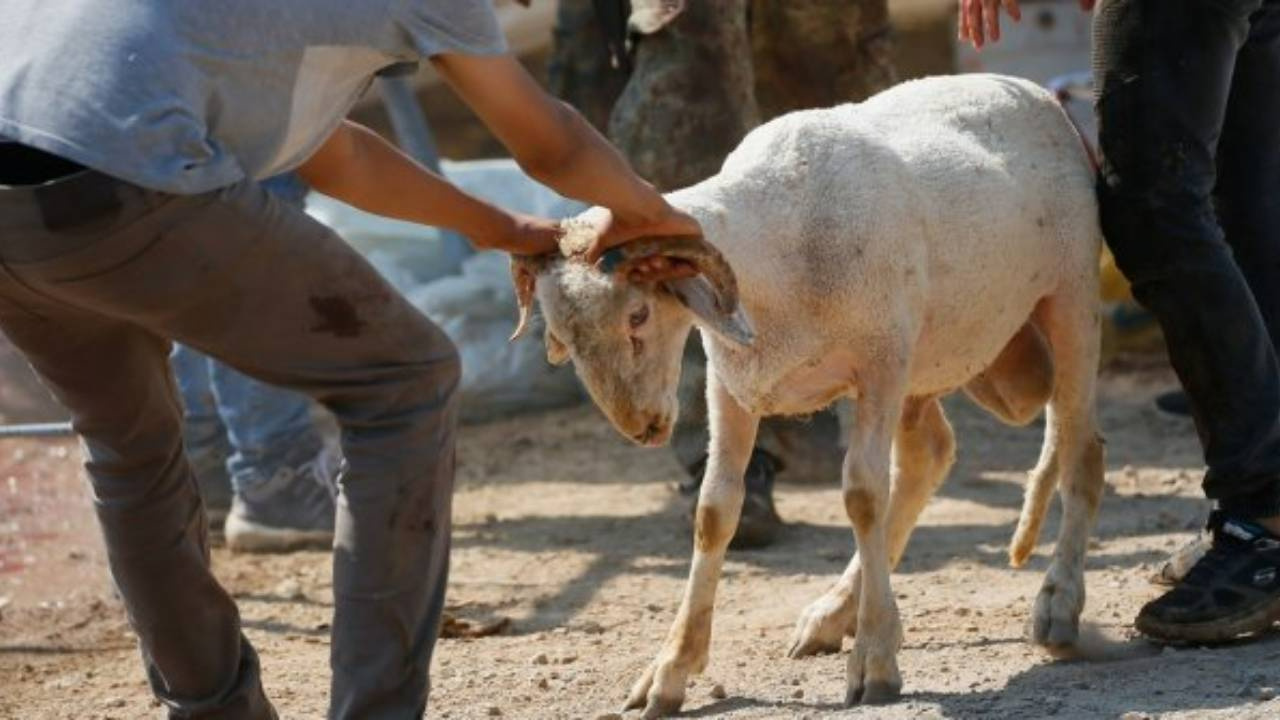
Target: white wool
(936, 214)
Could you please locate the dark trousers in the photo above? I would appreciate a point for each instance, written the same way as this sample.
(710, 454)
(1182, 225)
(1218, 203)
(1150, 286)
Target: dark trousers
(97, 276)
(1189, 120)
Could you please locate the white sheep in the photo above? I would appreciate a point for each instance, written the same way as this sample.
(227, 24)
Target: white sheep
(941, 235)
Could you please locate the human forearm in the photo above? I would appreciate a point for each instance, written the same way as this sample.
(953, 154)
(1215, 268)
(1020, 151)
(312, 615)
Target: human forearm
(360, 168)
(592, 170)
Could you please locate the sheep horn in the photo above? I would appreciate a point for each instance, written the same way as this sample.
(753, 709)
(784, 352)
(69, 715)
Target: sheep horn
(692, 249)
(524, 276)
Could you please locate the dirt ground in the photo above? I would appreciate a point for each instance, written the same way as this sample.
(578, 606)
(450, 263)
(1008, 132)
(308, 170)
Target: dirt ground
(581, 541)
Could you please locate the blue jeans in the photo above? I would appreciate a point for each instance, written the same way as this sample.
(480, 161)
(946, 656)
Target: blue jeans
(254, 428)
(1189, 121)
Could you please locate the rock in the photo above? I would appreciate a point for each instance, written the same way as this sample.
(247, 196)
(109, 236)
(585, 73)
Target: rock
(568, 659)
(609, 716)
(717, 692)
(1263, 694)
(290, 589)
(542, 683)
(1135, 715)
(797, 693)
(495, 711)
(540, 659)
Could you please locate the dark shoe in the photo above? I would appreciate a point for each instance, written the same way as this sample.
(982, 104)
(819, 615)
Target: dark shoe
(291, 511)
(1233, 590)
(1174, 402)
(759, 524)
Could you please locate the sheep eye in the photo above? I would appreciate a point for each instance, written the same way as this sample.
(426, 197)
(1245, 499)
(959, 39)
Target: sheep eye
(639, 317)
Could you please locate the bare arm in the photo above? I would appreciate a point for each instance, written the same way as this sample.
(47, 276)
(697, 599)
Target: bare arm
(357, 166)
(556, 146)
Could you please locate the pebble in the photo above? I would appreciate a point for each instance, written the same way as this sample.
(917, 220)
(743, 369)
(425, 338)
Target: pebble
(1135, 715)
(1263, 694)
(290, 589)
(543, 683)
(717, 692)
(609, 716)
(540, 659)
(568, 659)
(798, 693)
(495, 711)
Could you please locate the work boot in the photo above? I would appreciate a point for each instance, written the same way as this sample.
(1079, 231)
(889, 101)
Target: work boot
(1233, 590)
(291, 511)
(759, 523)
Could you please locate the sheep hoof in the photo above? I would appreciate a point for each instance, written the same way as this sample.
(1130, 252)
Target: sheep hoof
(874, 693)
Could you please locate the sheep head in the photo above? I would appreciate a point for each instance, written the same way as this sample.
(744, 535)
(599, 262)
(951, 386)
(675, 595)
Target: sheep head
(626, 339)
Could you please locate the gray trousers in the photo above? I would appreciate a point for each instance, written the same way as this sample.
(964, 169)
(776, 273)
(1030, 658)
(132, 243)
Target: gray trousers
(97, 276)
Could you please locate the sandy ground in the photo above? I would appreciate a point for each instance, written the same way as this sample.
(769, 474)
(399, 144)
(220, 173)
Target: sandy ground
(581, 541)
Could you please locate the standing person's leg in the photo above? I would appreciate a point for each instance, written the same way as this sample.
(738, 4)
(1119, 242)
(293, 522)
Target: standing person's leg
(203, 434)
(261, 286)
(113, 377)
(1247, 197)
(1164, 72)
(281, 470)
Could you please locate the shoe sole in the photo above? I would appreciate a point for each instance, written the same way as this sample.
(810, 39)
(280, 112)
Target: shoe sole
(1212, 631)
(250, 537)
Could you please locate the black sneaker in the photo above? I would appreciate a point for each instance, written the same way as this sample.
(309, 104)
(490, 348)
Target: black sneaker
(759, 524)
(291, 511)
(1233, 590)
(1174, 402)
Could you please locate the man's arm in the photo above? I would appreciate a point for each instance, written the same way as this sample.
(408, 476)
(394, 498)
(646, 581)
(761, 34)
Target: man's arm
(556, 146)
(357, 166)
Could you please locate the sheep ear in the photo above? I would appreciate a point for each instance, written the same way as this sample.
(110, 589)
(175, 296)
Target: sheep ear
(557, 352)
(697, 294)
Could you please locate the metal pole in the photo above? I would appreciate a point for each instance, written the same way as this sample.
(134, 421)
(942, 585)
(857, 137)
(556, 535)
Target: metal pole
(37, 430)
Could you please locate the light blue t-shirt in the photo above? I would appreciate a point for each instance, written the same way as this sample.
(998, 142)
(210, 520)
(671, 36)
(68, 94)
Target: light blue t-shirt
(187, 96)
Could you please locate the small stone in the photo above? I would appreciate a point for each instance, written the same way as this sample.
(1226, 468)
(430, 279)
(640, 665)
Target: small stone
(797, 693)
(1263, 694)
(609, 716)
(1135, 715)
(540, 659)
(717, 692)
(568, 659)
(290, 589)
(591, 627)
(653, 607)
(115, 702)
(1080, 685)
(542, 683)
(495, 711)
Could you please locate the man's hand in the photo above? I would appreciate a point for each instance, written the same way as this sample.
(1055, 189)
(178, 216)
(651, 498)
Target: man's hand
(979, 20)
(611, 230)
(529, 235)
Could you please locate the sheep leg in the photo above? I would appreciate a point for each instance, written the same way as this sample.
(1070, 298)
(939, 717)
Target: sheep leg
(1073, 445)
(923, 452)
(660, 690)
(872, 672)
